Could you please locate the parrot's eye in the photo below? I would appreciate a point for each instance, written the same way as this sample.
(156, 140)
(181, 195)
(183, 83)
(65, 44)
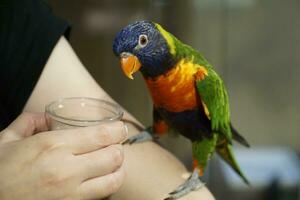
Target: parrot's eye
(143, 40)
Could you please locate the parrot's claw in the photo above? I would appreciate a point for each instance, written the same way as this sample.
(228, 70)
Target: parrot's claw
(191, 184)
(141, 137)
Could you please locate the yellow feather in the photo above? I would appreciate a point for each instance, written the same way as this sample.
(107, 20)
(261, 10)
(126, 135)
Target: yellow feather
(206, 110)
(168, 38)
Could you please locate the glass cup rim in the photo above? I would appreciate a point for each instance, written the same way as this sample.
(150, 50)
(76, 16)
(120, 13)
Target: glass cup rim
(118, 114)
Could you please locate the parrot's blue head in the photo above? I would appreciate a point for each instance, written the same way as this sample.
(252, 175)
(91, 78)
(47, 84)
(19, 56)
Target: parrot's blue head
(144, 46)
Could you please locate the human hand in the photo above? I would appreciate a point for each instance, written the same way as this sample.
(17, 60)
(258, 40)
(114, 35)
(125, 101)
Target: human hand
(82, 163)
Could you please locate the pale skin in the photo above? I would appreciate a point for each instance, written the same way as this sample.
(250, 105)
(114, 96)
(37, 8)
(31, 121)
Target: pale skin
(39, 164)
(151, 172)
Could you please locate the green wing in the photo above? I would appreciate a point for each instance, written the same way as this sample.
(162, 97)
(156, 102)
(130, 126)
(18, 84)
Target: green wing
(214, 97)
(210, 88)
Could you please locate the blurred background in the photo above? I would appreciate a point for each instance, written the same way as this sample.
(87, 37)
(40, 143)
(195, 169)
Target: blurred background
(254, 45)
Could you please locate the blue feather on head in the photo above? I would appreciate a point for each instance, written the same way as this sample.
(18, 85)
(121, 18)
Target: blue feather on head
(143, 40)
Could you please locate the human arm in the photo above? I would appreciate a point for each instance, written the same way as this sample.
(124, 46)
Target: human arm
(152, 172)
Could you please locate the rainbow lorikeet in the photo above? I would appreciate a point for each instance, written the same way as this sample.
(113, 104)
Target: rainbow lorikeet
(188, 96)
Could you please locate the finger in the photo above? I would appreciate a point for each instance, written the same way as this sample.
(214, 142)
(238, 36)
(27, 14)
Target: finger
(25, 125)
(84, 140)
(101, 162)
(100, 187)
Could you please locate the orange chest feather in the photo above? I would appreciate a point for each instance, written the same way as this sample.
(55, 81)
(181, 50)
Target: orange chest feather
(174, 91)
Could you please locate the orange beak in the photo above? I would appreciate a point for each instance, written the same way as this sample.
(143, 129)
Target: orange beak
(130, 64)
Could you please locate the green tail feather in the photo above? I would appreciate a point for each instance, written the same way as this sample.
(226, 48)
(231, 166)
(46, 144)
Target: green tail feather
(225, 151)
(236, 136)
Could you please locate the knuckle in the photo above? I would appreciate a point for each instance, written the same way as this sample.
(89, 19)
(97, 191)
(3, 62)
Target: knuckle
(105, 137)
(30, 120)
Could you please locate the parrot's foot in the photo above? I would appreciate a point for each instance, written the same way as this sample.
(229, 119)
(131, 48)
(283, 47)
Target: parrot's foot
(191, 184)
(141, 137)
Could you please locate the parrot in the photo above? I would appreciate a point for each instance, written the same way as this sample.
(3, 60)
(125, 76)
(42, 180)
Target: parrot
(188, 95)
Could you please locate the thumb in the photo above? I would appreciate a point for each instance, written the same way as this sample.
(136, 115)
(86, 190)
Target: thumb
(25, 125)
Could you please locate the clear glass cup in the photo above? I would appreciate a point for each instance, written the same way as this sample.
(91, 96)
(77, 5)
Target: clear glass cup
(75, 112)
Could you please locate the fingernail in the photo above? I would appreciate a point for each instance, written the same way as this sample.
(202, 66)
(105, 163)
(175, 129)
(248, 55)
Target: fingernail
(120, 148)
(126, 131)
(119, 128)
